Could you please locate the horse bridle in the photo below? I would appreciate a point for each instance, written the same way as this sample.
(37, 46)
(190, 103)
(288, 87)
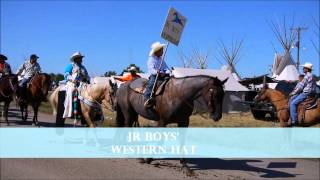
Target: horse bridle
(95, 101)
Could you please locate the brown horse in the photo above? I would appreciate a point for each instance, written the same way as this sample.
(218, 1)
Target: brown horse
(8, 86)
(175, 105)
(36, 93)
(280, 101)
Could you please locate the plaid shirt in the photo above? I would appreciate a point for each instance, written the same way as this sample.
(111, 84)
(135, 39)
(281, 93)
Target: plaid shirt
(307, 85)
(29, 69)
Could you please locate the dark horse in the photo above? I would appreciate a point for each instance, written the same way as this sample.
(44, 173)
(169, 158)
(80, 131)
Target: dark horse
(8, 86)
(37, 92)
(175, 105)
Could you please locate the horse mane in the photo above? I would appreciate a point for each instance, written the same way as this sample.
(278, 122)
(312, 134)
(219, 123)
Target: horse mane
(280, 92)
(200, 76)
(285, 87)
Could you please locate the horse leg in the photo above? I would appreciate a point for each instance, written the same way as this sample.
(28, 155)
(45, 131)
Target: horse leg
(161, 123)
(26, 112)
(21, 110)
(34, 114)
(184, 166)
(5, 111)
(86, 115)
(35, 117)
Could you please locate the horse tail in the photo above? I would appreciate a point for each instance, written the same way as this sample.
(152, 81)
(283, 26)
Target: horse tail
(119, 117)
(53, 99)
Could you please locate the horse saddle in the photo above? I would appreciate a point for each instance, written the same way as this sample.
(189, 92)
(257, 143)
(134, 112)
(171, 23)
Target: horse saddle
(139, 85)
(308, 104)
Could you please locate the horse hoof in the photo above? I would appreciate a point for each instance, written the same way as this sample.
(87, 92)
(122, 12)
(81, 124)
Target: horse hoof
(186, 170)
(141, 160)
(148, 160)
(157, 164)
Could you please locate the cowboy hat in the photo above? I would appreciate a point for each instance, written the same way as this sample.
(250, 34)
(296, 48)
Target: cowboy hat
(3, 57)
(34, 56)
(307, 65)
(76, 55)
(156, 47)
(132, 68)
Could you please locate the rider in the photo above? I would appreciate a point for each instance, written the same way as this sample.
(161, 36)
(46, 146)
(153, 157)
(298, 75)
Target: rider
(132, 75)
(155, 58)
(30, 69)
(304, 89)
(75, 73)
(5, 68)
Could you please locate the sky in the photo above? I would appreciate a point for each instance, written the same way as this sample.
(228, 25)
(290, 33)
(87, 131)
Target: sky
(113, 34)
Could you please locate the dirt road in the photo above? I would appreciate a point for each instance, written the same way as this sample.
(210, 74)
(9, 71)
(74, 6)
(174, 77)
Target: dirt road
(229, 169)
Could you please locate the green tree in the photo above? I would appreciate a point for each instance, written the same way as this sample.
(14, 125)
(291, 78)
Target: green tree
(56, 77)
(110, 73)
(134, 65)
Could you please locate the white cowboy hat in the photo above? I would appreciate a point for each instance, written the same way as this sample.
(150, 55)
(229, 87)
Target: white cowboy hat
(156, 47)
(307, 65)
(75, 55)
(132, 68)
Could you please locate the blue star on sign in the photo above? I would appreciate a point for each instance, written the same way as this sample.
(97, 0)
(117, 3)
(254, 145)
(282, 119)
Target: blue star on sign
(177, 19)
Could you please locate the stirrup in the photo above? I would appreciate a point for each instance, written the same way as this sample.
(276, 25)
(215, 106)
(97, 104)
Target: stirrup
(149, 103)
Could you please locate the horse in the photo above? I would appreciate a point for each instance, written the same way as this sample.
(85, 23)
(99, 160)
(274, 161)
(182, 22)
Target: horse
(37, 92)
(94, 96)
(174, 105)
(280, 101)
(8, 87)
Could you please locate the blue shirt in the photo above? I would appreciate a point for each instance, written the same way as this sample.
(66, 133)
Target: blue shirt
(154, 64)
(77, 72)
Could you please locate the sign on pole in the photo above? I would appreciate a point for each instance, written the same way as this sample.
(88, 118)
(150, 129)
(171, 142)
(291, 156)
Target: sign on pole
(173, 26)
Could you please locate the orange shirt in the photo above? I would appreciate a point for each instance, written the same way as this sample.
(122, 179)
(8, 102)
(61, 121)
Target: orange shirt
(128, 77)
(1, 67)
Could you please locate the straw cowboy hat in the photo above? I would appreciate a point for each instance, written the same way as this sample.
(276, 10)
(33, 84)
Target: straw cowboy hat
(307, 65)
(132, 68)
(76, 55)
(156, 47)
(3, 57)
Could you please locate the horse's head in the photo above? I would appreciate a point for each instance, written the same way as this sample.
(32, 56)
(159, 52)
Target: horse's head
(14, 81)
(9, 83)
(263, 94)
(111, 94)
(213, 94)
(44, 83)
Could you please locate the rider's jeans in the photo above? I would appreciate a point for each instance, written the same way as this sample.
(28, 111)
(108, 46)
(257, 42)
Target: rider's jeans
(149, 87)
(294, 102)
(23, 82)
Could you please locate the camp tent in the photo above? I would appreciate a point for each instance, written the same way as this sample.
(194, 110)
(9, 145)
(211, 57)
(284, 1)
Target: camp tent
(280, 63)
(289, 73)
(234, 91)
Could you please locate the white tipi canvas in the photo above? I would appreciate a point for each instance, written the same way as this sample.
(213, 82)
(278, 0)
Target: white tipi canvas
(289, 73)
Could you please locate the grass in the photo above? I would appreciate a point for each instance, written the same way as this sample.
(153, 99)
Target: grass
(45, 108)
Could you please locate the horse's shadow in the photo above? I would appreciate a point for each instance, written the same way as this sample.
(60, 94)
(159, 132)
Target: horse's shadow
(197, 164)
(242, 165)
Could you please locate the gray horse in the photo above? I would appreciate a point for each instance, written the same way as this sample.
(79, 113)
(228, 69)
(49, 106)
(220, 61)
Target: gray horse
(174, 105)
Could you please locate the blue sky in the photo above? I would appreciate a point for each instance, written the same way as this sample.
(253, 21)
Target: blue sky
(112, 34)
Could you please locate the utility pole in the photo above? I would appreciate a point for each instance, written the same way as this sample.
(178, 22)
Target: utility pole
(298, 30)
